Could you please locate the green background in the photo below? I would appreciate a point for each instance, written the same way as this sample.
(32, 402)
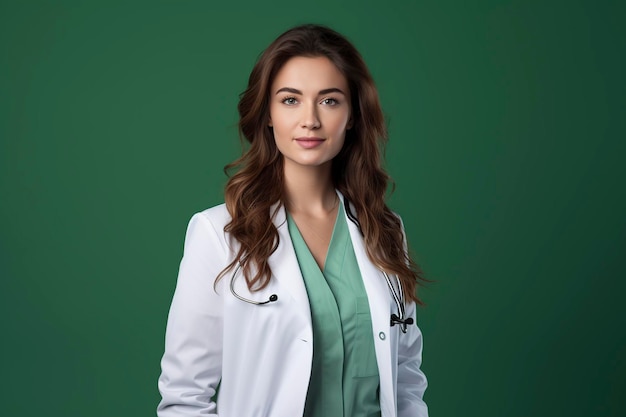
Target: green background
(507, 146)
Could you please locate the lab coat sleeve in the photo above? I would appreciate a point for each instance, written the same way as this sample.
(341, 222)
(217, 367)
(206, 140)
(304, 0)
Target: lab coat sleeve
(191, 365)
(412, 382)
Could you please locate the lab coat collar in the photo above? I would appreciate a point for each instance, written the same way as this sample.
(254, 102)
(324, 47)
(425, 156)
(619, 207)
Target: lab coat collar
(284, 264)
(379, 303)
(286, 270)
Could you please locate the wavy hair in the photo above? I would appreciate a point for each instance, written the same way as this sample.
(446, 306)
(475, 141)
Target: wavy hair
(257, 184)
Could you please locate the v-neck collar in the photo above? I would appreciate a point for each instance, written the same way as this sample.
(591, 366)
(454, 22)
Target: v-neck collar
(339, 217)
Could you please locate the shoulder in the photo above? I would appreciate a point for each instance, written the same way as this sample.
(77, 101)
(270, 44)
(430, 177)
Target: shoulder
(218, 215)
(399, 219)
(208, 225)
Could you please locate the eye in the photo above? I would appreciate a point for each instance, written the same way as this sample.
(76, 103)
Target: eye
(290, 101)
(330, 102)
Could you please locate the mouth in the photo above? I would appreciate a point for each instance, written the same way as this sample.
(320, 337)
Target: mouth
(309, 142)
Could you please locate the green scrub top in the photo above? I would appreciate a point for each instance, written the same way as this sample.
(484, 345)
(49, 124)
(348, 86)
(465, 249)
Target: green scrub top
(344, 374)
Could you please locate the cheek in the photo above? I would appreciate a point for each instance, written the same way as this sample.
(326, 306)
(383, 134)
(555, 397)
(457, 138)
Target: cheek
(281, 121)
(280, 129)
(339, 123)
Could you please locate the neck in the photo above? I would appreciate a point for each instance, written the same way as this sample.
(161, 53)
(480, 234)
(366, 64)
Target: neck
(309, 190)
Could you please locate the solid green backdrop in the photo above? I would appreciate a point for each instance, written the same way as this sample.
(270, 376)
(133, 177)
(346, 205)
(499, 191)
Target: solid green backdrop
(507, 143)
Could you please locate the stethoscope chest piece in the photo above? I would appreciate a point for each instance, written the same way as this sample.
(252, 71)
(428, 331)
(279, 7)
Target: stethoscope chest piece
(271, 299)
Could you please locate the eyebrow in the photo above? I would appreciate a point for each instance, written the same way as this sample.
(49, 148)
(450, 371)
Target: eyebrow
(321, 92)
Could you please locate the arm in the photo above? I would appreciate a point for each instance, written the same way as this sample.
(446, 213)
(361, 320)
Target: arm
(192, 362)
(411, 380)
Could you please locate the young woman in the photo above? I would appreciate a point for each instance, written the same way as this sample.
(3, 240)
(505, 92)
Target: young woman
(297, 297)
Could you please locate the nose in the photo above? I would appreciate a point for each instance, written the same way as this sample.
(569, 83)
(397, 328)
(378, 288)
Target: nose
(310, 118)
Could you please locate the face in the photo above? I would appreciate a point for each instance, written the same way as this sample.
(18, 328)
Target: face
(309, 111)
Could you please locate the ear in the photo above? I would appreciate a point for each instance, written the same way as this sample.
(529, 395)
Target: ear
(350, 123)
(270, 123)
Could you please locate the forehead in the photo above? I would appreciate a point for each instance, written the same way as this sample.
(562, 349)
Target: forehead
(309, 75)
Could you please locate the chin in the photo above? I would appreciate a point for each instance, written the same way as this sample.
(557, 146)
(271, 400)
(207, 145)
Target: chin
(309, 162)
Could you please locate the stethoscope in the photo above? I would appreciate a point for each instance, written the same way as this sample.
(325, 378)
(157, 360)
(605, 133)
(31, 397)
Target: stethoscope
(398, 296)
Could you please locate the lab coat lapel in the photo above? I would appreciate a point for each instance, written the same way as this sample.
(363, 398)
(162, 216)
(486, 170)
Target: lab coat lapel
(379, 303)
(285, 267)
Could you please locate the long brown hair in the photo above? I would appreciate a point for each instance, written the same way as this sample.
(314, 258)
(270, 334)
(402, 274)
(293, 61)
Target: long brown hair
(357, 172)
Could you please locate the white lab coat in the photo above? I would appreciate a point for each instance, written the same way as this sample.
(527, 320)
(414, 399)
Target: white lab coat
(261, 355)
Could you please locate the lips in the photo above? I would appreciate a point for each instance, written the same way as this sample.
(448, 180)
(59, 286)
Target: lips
(309, 142)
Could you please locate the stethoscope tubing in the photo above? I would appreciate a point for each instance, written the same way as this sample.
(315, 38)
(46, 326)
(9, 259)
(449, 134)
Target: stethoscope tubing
(272, 298)
(398, 297)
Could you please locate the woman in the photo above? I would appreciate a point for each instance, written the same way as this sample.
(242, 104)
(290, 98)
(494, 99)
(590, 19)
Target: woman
(281, 298)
